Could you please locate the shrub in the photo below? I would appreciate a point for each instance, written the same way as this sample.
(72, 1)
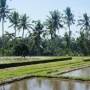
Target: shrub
(21, 49)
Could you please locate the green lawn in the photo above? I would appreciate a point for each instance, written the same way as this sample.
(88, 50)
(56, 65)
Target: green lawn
(53, 69)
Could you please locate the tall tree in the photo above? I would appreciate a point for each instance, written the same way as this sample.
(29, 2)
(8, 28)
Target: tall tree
(3, 13)
(69, 20)
(14, 20)
(84, 38)
(53, 22)
(37, 40)
(84, 24)
(24, 24)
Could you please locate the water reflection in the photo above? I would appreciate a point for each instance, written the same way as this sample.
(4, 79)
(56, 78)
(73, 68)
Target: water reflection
(79, 73)
(46, 84)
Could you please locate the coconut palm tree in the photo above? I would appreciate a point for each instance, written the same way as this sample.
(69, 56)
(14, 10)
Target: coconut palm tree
(3, 14)
(53, 22)
(84, 24)
(14, 20)
(24, 24)
(69, 20)
(36, 36)
(9, 40)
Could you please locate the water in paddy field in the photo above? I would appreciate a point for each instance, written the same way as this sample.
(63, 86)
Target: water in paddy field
(85, 72)
(46, 84)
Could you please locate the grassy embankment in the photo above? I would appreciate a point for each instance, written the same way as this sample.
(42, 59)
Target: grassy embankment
(52, 69)
(8, 62)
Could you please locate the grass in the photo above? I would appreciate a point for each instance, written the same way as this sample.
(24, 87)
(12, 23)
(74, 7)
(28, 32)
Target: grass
(7, 60)
(77, 78)
(52, 69)
(30, 61)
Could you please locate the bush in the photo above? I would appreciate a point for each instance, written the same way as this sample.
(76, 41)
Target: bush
(21, 49)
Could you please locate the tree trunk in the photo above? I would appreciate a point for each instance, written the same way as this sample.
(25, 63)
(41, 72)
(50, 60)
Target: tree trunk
(23, 33)
(69, 37)
(15, 31)
(3, 37)
(14, 40)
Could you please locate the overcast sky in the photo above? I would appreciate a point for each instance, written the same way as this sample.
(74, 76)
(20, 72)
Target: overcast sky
(39, 9)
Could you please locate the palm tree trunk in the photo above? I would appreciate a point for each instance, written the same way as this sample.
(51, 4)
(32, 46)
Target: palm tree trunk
(69, 36)
(15, 31)
(87, 32)
(2, 36)
(23, 33)
(14, 40)
(51, 37)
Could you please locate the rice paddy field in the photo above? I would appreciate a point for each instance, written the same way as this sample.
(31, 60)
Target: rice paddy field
(51, 69)
(7, 60)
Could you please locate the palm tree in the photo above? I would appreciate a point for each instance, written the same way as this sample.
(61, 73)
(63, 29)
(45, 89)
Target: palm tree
(14, 20)
(3, 13)
(36, 36)
(8, 40)
(84, 24)
(69, 20)
(24, 24)
(53, 22)
(38, 27)
(9, 35)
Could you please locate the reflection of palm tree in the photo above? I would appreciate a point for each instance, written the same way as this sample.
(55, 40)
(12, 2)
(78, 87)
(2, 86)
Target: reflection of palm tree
(15, 86)
(71, 85)
(3, 13)
(56, 85)
(2, 87)
(23, 85)
(87, 86)
(14, 20)
(54, 22)
(39, 82)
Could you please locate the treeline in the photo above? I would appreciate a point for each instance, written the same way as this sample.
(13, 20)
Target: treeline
(41, 38)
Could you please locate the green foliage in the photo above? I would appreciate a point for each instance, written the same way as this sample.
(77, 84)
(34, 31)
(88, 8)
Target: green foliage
(69, 17)
(21, 49)
(68, 20)
(84, 24)
(24, 24)
(14, 20)
(53, 22)
(36, 37)
(43, 38)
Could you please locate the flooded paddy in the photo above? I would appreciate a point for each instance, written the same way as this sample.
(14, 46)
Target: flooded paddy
(46, 84)
(85, 72)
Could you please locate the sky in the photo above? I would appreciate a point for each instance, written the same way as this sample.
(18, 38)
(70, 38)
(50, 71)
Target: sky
(39, 9)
